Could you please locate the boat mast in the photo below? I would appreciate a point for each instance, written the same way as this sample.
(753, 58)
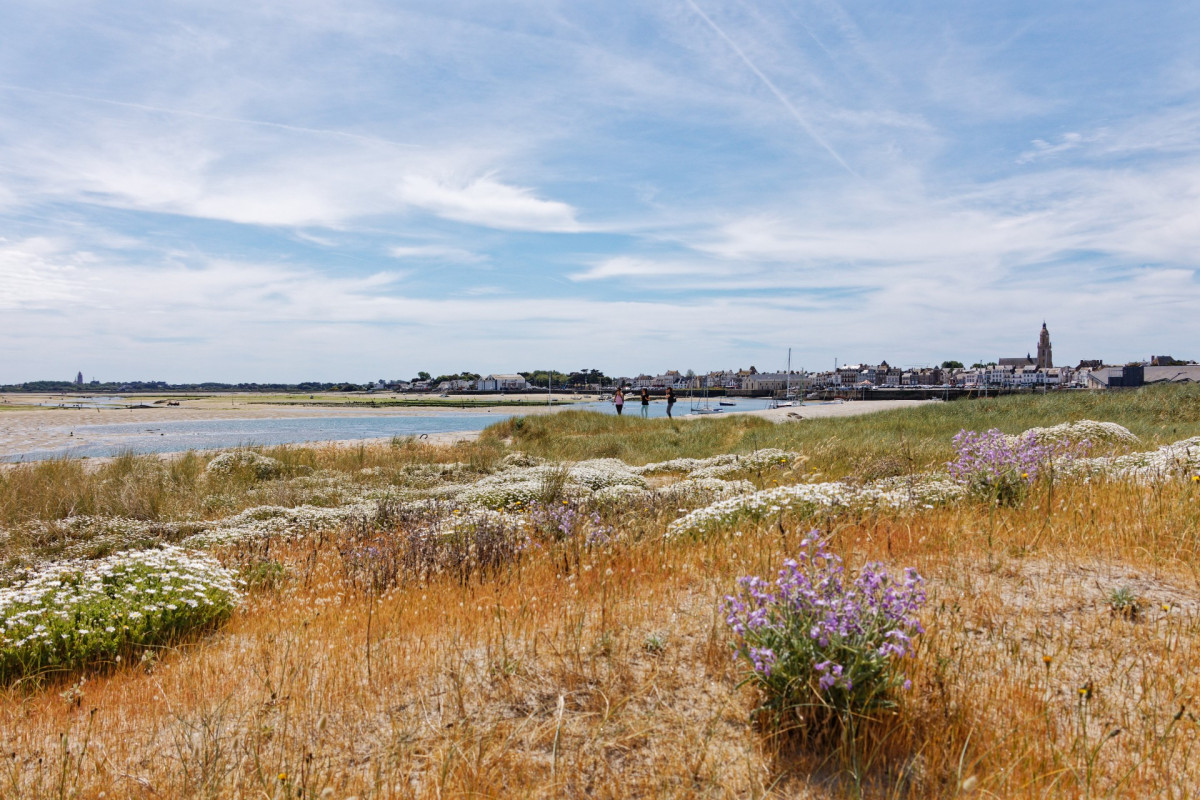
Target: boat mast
(787, 393)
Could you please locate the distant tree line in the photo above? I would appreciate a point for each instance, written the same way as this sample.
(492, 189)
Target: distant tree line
(577, 379)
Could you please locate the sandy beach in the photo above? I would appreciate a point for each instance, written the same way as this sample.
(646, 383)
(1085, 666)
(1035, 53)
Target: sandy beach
(851, 408)
(23, 430)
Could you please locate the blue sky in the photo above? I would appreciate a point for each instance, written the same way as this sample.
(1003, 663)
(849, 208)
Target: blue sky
(351, 190)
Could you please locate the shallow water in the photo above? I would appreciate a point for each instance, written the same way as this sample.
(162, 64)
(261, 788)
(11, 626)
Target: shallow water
(214, 434)
(96, 441)
(683, 407)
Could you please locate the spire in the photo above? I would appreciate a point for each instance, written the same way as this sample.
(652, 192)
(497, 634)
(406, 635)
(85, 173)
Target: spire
(1045, 360)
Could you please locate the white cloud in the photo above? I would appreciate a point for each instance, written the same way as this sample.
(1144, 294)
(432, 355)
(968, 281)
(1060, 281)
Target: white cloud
(487, 202)
(1043, 149)
(436, 252)
(37, 274)
(631, 267)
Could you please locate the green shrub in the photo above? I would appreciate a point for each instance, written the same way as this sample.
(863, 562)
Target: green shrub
(69, 614)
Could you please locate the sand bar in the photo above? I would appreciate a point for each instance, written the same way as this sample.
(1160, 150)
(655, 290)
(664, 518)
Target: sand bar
(24, 430)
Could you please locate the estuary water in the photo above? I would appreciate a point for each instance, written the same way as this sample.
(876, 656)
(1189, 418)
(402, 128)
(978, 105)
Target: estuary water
(212, 434)
(168, 436)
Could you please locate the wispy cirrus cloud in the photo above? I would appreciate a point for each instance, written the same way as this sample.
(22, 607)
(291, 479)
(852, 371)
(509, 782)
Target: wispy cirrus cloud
(540, 180)
(436, 252)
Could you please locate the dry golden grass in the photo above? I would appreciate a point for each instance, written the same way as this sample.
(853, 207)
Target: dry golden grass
(610, 675)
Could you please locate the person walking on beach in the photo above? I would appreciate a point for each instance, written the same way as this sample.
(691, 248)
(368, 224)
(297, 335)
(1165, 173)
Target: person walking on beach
(645, 403)
(670, 401)
(619, 400)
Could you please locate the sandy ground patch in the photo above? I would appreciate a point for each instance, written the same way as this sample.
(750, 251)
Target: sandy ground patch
(851, 408)
(26, 430)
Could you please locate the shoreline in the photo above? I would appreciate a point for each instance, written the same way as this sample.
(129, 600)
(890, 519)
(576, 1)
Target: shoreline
(26, 431)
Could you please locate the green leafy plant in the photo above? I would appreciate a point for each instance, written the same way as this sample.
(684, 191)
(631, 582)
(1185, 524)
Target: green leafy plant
(821, 648)
(68, 614)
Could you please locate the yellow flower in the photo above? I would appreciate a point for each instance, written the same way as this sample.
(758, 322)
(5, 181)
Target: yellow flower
(283, 776)
(1046, 660)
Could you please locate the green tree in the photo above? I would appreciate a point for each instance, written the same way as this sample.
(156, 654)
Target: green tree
(952, 365)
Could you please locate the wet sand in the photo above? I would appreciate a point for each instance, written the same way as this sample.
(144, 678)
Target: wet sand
(26, 430)
(850, 408)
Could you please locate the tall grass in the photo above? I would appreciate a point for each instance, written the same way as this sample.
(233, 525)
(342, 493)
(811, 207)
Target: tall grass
(615, 678)
(607, 670)
(873, 445)
(153, 488)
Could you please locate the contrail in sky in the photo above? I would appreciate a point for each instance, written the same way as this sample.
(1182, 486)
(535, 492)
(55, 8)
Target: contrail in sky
(808, 128)
(210, 117)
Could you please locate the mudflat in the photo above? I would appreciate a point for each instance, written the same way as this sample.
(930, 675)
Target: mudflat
(24, 428)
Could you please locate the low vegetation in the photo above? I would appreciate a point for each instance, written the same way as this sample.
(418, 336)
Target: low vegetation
(570, 607)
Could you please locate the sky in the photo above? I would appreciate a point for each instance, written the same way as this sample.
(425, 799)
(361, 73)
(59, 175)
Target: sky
(353, 190)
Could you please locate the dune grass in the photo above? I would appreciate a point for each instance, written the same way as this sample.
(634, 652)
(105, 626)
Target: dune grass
(886, 442)
(1058, 661)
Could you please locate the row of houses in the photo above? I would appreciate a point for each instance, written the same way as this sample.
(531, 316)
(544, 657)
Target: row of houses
(490, 383)
(1007, 374)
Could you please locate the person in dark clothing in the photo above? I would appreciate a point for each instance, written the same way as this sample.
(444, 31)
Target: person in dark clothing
(670, 401)
(645, 403)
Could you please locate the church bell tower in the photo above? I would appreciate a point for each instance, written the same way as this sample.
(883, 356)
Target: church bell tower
(1044, 359)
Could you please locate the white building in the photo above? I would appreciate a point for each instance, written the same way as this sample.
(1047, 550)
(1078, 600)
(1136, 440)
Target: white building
(502, 383)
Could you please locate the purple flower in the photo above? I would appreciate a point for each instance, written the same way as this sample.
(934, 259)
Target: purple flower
(813, 620)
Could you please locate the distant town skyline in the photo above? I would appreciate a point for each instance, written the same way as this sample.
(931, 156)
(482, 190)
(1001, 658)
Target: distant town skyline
(279, 192)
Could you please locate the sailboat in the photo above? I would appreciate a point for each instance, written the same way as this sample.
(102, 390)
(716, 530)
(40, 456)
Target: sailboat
(789, 400)
(704, 406)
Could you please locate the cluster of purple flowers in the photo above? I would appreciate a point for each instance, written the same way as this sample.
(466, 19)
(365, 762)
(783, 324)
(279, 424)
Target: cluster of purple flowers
(567, 519)
(992, 458)
(1002, 467)
(811, 633)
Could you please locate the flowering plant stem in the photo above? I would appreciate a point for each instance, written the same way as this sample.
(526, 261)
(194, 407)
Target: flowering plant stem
(819, 647)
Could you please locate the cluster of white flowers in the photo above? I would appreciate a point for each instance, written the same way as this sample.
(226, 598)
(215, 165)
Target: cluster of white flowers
(334, 500)
(235, 461)
(523, 485)
(425, 474)
(519, 459)
(918, 491)
(85, 536)
(924, 490)
(684, 464)
(275, 521)
(621, 492)
(690, 491)
(460, 520)
(721, 465)
(508, 488)
(1085, 430)
(67, 612)
(1180, 459)
(600, 473)
(704, 490)
(759, 460)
